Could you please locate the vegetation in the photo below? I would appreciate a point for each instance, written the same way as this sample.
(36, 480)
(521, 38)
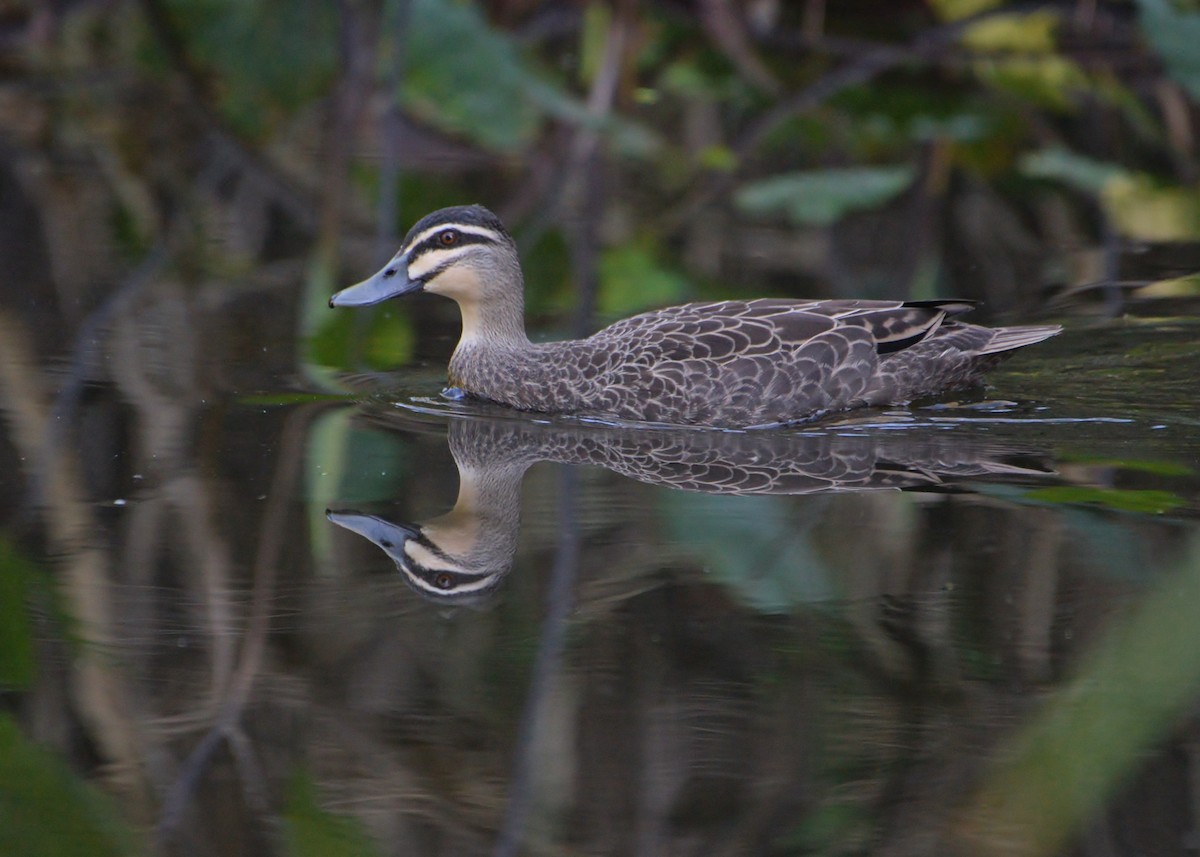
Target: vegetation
(642, 153)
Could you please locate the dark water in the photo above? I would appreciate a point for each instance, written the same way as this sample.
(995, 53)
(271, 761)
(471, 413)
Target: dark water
(966, 627)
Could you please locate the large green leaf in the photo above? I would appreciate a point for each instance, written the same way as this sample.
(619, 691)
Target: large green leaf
(1139, 206)
(465, 77)
(1078, 171)
(821, 197)
(267, 58)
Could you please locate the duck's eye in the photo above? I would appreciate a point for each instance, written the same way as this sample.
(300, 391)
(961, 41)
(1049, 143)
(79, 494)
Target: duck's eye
(448, 238)
(443, 581)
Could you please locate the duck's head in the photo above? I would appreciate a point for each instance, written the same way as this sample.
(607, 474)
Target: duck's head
(463, 252)
(448, 561)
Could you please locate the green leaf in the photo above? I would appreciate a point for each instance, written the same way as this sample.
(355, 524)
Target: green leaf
(463, 76)
(1025, 34)
(46, 809)
(633, 279)
(1141, 208)
(252, 49)
(1080, 172)
(821, 197)
(1050, 81)
(1175, 34)
(1138, 205)
(956, 10)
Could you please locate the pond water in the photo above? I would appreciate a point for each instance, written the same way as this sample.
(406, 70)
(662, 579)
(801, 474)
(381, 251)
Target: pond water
(242, 619)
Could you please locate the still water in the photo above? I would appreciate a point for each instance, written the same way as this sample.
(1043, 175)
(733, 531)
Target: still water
(243, 618)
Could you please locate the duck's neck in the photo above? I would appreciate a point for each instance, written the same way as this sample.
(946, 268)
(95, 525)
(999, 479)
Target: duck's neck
(491, 335)
(498, 324)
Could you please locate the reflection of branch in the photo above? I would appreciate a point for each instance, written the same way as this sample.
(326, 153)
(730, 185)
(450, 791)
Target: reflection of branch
(104, 699)
(546, 665)
(266, 565)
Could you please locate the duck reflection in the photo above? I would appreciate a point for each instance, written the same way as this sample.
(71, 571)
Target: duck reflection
(462, 556)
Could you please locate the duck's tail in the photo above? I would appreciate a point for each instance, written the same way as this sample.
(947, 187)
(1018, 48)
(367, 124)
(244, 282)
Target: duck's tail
(1010, 338)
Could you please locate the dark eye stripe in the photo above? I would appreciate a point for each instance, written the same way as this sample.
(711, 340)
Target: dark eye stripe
(457, 578)
(434, 242)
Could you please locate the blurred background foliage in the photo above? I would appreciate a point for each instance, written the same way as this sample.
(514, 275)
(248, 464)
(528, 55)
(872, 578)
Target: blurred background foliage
(642, 153)
(227, 164)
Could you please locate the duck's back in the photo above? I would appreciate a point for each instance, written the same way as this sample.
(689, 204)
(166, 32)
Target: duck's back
(747, 363)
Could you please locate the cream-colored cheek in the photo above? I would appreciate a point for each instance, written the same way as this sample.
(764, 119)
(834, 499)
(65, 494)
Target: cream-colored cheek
(458, 283)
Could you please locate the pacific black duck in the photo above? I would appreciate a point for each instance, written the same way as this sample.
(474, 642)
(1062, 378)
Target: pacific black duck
(733, 364)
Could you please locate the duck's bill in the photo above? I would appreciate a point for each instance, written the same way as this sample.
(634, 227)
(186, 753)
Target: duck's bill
(392, 282)
(383, 533)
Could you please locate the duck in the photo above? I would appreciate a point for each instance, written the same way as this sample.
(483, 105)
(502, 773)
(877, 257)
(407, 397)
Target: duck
(732, 364)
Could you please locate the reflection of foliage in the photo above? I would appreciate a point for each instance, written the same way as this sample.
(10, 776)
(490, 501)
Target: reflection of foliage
(1149, 502)
(311, 831)
(1058, 769)
(752, 545)
(16, 634)
(46, 809)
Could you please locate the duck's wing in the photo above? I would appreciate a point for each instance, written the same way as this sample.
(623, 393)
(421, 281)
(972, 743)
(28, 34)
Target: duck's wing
(749, 363)
(732, 328)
